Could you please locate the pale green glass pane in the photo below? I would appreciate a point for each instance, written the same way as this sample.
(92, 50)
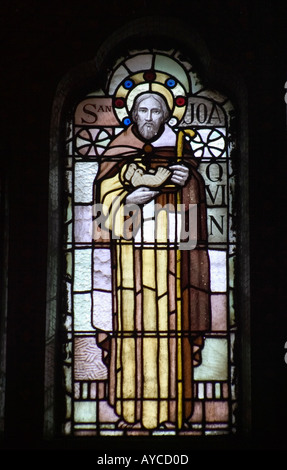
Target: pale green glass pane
(68, 406)
(164, 433)
(85, 391)
(217, 270)
(213, 173)
(69, 261)
(67, 428)
(85, 173)
(85, 426)
(69, 233)
(217, 390)
(68, 378)
(217, 225)
(82, 312)
(169, 66)
(82, 270)
(98, 92)
(200, 391)
(214, 360)
(216, 193)
(112, 433)
(85, 412)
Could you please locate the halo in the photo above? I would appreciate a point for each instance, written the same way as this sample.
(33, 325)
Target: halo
(151, 80)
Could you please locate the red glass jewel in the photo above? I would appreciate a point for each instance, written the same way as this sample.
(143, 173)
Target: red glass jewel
(119, 103)
(180, 101)
(149, 76)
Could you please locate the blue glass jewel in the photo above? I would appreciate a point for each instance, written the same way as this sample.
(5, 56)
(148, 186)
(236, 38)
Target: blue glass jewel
(127, 121)
(128, 84)
(170, 82)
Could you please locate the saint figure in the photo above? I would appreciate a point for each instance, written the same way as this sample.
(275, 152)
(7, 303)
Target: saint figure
(161, 301)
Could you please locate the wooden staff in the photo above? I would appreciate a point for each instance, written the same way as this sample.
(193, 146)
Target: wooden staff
(180, 144)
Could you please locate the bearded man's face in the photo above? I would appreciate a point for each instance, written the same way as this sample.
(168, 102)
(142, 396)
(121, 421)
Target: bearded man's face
(149, 117)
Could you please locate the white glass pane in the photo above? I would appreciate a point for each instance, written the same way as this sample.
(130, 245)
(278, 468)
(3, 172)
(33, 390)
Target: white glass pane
(214, 360)
(85, 173)
(83, 226)
(140, 62)
(118, 76)
(217, 270)
(88, 361)
(102, 269)
(102, 311)
(149, 231)
(106, 413)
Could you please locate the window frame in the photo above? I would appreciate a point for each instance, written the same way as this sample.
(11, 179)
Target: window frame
(86, 77)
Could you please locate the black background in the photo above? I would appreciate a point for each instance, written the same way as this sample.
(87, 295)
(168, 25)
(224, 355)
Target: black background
(41, 42)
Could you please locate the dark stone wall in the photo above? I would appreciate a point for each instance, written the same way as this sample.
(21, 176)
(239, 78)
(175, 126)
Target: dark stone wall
(41, 42)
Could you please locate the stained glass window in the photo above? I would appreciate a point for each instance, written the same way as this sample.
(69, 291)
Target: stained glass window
(150, 252)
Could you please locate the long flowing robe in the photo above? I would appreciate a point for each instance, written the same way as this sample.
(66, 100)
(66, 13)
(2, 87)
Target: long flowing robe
(161, 301)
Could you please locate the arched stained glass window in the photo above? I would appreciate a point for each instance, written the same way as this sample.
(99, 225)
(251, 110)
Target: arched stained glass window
(150, 245)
